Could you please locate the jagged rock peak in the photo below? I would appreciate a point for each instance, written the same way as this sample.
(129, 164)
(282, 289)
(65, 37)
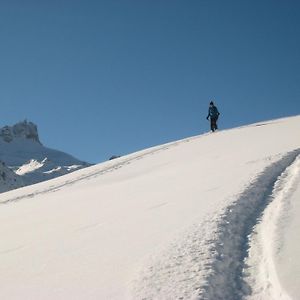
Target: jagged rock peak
(24, 129)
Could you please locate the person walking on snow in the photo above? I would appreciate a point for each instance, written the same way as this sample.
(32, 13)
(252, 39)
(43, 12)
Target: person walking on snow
(213, 115)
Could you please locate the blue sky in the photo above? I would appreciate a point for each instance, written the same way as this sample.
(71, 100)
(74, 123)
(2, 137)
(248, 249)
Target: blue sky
(111, 77)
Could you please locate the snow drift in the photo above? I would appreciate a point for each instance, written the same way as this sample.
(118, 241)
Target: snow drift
(185, 220)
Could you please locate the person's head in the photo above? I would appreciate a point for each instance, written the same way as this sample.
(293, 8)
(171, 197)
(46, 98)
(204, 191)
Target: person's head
(211, 103)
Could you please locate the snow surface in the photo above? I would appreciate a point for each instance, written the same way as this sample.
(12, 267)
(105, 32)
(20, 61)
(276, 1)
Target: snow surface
(207, 217)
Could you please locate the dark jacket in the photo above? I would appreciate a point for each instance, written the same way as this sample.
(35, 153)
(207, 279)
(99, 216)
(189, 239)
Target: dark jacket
(213, 112)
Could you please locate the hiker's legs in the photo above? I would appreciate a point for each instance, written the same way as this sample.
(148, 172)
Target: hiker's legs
(213, 124)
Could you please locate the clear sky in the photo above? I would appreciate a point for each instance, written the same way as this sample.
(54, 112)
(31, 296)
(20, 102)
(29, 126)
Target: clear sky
(109, 77)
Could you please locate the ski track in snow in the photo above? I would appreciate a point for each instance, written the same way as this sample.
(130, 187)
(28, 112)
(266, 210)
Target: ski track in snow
(265, 239)
(209, 260)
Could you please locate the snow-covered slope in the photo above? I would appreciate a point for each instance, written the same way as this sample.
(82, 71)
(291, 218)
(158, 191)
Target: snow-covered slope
(22, 151)
(175, 221)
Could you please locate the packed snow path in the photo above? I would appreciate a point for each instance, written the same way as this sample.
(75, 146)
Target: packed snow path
(270, 235)
(232, 244)
(225, 276)
(169, 222)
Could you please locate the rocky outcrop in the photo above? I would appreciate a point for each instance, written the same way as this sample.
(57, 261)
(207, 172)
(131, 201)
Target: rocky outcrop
(25, 130)
(9, 180)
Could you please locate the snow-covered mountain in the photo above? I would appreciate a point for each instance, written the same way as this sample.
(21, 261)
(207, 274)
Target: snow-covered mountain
(22, 151)
(214, 217)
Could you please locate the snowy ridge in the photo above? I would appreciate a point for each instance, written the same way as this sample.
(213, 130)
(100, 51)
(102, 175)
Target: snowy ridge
(176, 221)
(91, 172)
